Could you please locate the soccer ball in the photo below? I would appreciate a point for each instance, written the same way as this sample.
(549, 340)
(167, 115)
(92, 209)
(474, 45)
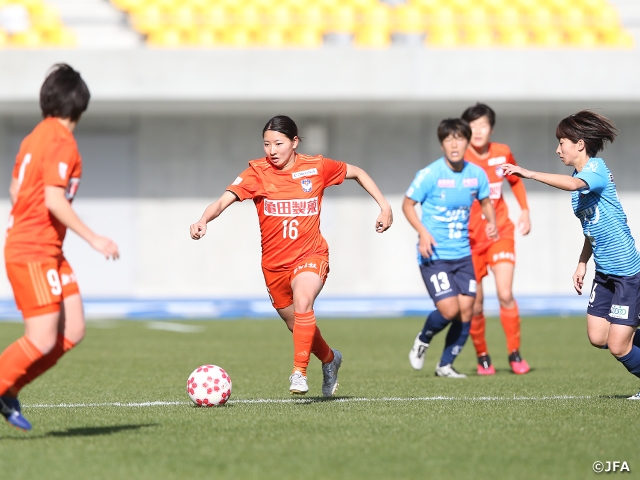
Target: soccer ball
(209, 386)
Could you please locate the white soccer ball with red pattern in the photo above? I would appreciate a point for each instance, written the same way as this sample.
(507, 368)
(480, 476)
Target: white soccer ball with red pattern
(209, 386)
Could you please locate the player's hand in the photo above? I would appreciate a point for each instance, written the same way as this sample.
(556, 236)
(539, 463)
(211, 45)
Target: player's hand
(492, 231)
(578, 277)
(106, 247)
(425, 244)
(524, 224)
(516, 170)
(198, 230)
(384, 220)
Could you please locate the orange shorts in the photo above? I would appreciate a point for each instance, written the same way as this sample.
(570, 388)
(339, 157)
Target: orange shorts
(279, 283)
(40, 287)
(502, 250)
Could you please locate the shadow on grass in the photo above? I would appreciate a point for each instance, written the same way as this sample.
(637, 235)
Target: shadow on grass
(82, 432)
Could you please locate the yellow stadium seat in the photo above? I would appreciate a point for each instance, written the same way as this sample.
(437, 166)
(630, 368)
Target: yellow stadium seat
(204, 37)
(166, 37)
(585, 38)
(128, 5)
(444, 17)
(250, 17)
(306, 37)
(61, 37)
(366, 4)
(443, 37)
(428, 6)
(480, 37)
(182, 17)
(281, 16)
(550, 37)
(514, 37)
(573, 19)
(4, 39)
(619, 39)
(273, 37)
(47, 19)
(594, 6)
(372, 37)
(475, 17)
(27, 39)
(216, 16)
(378, 16)
(342, 19)
(559, 5)
(239, 37)
(409, 19)
(526, 6)
(314, 18)
(148, 19)
(462, 5)
(495, 5)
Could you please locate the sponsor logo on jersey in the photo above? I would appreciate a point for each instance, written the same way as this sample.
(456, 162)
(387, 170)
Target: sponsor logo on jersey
(305, 265)
(495, 190)
(589, 215)
(448, 216)
(497, 161)
(72, 188)
(472, 286)
(499, 172)
(305, 173)
(446, 183)
(410, 192)
(592, 166)
(504, 256)
(469, 182)
(303, 207)
(62, 170)
(237, 181)
(306, 185)
(619, 311)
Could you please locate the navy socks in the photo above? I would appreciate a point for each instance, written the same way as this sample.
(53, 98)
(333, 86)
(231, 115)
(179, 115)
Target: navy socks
(631, 360)
(456, 338)
(435, 323)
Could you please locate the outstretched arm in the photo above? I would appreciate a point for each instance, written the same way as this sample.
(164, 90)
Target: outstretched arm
(58, 205)
(562, 182)
(385, 219)
(426, 242)
(581, 270)
(490, 214)
(213, 211)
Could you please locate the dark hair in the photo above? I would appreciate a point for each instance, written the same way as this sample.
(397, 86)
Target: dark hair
(284, 125)
(589, 127)
(455, 127)
(480, 110)
(64, 94)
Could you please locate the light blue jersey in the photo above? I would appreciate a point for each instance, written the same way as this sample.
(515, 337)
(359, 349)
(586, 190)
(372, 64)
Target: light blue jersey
(446, 198)
(604, 222)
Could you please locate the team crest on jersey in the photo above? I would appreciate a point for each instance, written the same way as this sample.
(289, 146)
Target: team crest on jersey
(446, 183)
(306, 185)
(469, 182)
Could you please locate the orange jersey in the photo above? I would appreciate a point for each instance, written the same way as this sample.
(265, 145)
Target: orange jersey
(48, 156)
(499, 154)
(288, 205)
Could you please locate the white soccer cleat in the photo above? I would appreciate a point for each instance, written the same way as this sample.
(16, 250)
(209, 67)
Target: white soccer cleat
(634, 397)
(417, 353)
(330, 374)
(448, 371)
(298, 384)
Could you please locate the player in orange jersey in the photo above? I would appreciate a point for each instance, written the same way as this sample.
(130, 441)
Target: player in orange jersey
(287, 188)
(45, 179)
(499, 255)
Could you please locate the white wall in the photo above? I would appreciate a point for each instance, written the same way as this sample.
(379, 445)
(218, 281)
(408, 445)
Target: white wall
(160, 260)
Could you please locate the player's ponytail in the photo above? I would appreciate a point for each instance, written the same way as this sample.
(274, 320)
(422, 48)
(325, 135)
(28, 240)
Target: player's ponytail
(589, 127)
(283, 125)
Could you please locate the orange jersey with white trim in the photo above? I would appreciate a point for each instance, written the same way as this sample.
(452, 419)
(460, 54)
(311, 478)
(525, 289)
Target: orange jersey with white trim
(499, 154)
(48, 156)
(288, 205)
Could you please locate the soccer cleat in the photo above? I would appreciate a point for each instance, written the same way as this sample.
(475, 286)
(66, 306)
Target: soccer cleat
(484, 365)
(416, 355)
(10, 409)
(298, 384)
(519, 366)
(330, 374)
(448, 371)
(634, 397)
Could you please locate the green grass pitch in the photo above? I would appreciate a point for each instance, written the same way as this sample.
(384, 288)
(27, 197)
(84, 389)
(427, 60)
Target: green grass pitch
(389, 421)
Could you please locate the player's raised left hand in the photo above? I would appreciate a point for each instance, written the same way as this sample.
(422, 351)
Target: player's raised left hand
(384, 220)
(198, 230)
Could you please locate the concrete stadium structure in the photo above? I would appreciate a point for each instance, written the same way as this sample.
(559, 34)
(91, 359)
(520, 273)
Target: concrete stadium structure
(166, 131)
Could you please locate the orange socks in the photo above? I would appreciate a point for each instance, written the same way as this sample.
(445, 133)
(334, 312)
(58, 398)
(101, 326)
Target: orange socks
(15, 361)
(478, 323)
(511, 324)
(62, 346)
(304, 330)
(321, 349)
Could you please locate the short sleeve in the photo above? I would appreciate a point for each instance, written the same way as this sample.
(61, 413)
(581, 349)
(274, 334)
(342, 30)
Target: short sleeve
(60, 163)
(246, 185)
(420, 187)
(333, 172)
(483, 185)
(595, 176)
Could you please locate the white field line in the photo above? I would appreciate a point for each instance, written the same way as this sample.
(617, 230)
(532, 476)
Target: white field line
(318, 400)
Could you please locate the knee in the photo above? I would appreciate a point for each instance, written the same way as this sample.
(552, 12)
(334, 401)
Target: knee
(302, 305)
(450, 314)
(506, 300)
(619, 349)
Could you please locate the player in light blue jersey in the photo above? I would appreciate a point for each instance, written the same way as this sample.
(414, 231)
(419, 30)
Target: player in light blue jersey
(613, 314)
(446, 189)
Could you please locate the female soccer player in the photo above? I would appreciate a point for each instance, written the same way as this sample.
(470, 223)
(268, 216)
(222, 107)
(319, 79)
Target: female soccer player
(446, 189)
(45, 179)
(499, 255)
(613, 313)
(286, 188)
